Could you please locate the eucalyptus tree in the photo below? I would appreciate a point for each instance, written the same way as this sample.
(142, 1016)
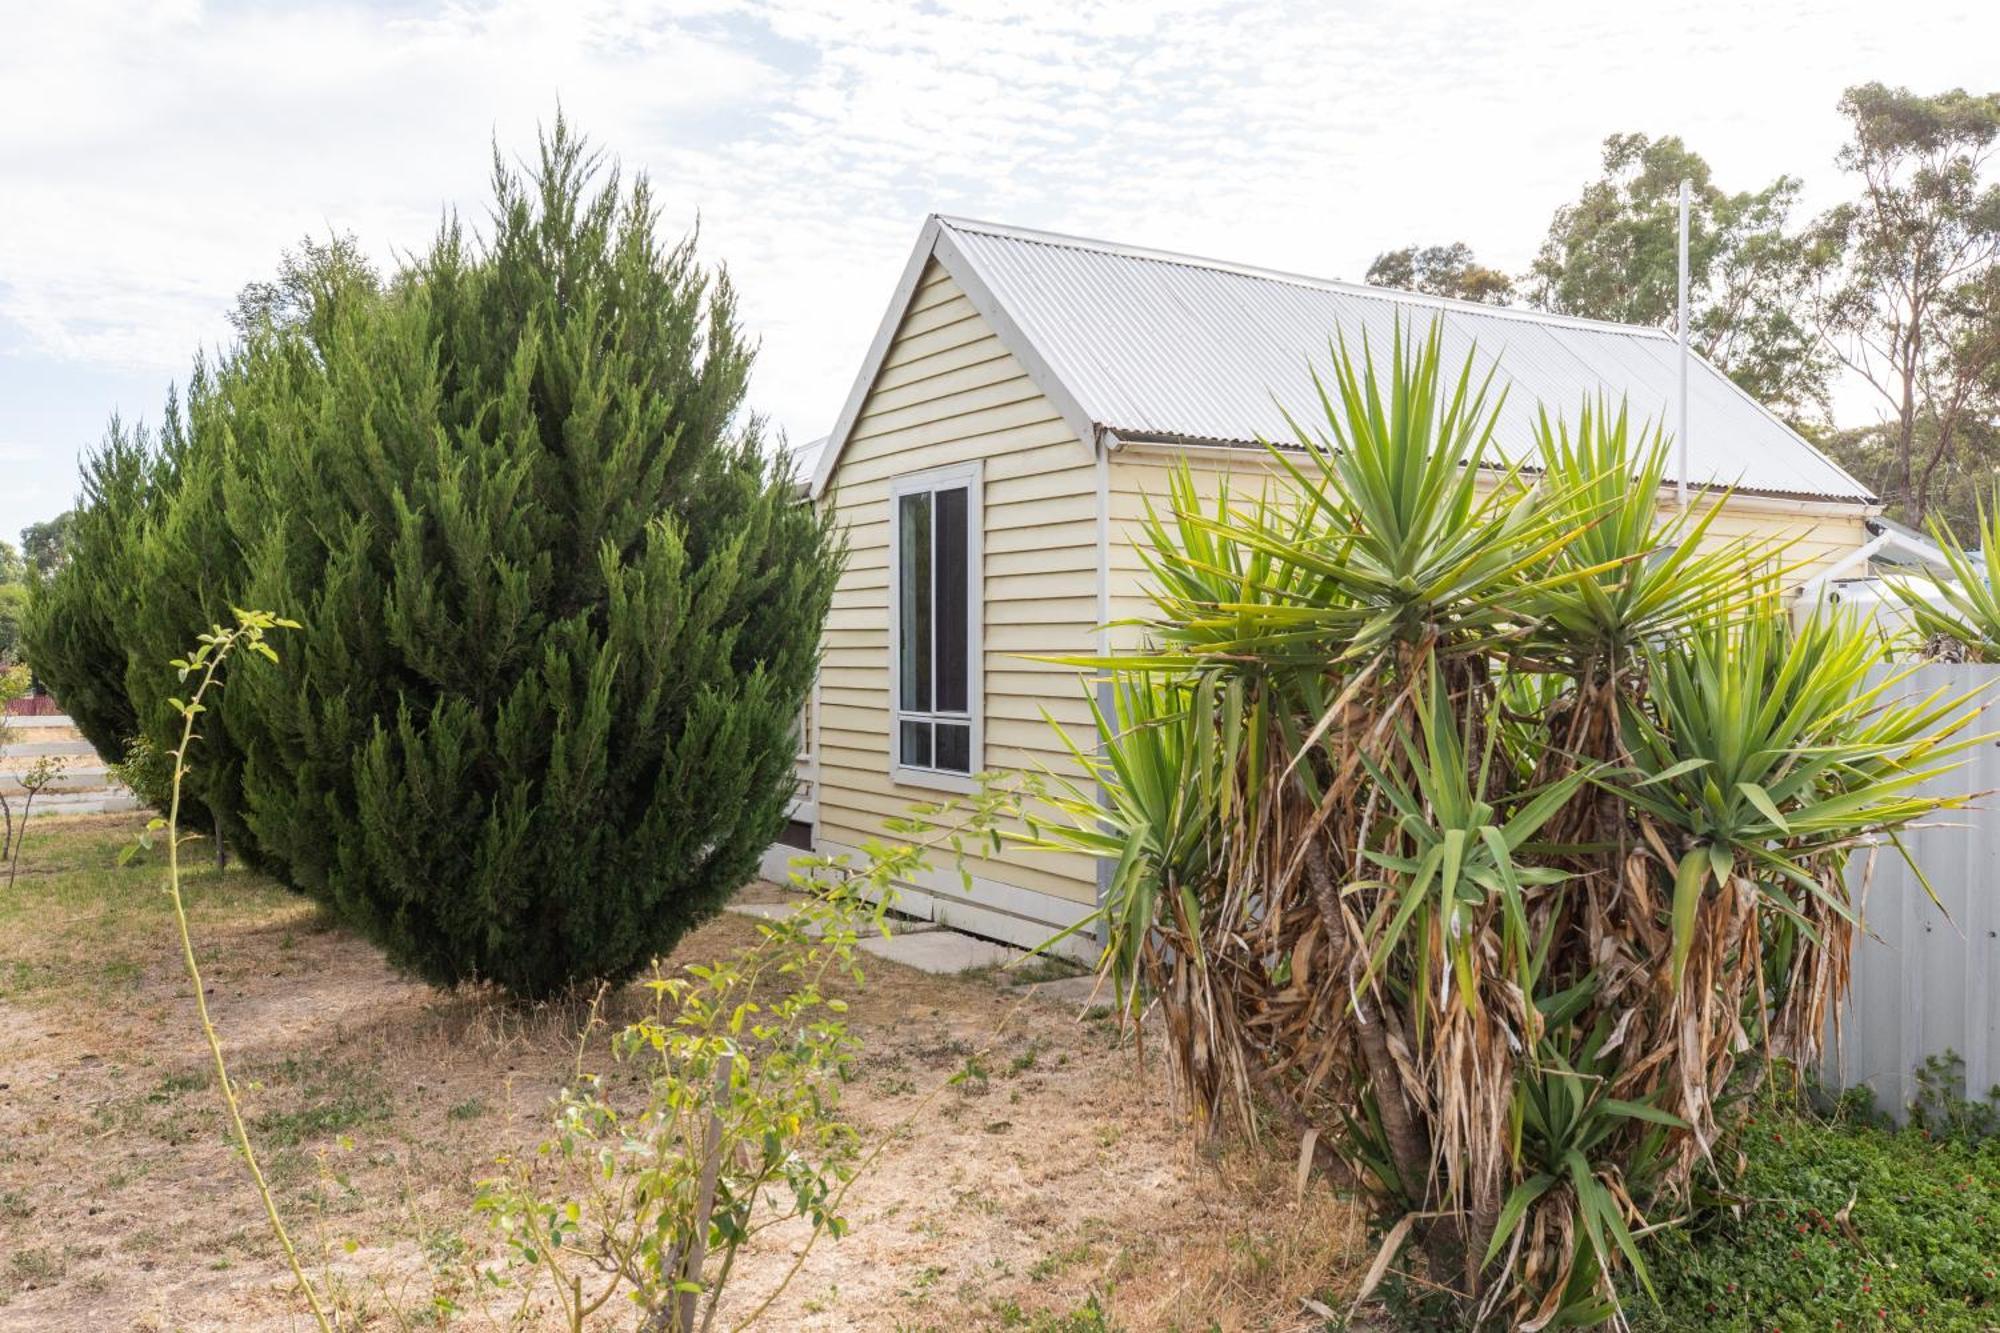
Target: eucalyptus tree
(1909, 283)
(1613, 253)
(1441, 270)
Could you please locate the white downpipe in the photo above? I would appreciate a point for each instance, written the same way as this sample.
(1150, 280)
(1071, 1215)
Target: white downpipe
(1681, 328)
(1106, 701)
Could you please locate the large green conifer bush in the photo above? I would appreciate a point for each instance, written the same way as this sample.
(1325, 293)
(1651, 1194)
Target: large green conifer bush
(559, 611)
(70, 634)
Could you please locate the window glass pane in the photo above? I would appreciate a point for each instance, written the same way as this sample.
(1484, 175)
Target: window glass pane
(913, 594)
(954, 747)
(953, 684)
(916, 744)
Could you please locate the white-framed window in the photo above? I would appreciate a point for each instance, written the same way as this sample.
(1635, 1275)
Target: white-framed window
(935, 726)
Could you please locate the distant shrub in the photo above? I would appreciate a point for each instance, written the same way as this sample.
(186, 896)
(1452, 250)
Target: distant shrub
(13, 605)
(146, 771)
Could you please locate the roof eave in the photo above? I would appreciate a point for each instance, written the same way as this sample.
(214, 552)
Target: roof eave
(878, 351)
(1121, 438)
(935, 242)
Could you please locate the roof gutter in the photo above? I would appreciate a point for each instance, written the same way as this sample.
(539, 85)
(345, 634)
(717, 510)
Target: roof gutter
(1788, 501)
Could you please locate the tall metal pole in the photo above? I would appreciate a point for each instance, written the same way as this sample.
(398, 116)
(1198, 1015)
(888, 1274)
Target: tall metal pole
(1681, 327)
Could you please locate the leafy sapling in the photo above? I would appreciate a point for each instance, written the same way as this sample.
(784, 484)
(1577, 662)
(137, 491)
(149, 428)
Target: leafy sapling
(647, 1189)
(204, 667)
(13, 684)
(39, 776)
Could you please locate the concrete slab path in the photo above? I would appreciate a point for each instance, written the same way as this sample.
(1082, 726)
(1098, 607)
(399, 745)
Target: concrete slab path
(783, 908)
(941, 952)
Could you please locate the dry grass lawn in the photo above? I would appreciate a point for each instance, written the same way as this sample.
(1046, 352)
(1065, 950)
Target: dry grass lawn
(1057, 1193)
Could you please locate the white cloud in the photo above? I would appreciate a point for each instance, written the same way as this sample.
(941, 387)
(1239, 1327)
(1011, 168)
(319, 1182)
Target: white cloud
(155, 157)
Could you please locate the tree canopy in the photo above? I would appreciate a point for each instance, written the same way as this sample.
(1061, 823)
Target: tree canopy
(1909, 279)
(13, 601)
(1613, 254)
(1897, 288)
(45, 545)
(1441, 270)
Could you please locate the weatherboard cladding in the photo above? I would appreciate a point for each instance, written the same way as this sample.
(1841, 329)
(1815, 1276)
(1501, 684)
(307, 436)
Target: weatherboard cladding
(1166, 347)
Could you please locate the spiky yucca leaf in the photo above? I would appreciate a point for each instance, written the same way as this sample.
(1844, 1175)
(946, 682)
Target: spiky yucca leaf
(1963, 605)
(1656, 569)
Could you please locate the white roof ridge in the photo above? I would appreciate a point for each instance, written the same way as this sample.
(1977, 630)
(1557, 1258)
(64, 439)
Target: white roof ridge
(1363, 290)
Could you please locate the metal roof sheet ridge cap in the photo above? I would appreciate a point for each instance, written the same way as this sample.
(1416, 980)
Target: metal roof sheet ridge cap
(1361, 290)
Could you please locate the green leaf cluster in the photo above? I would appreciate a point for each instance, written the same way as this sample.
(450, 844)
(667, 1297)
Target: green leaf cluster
(1837, 1224)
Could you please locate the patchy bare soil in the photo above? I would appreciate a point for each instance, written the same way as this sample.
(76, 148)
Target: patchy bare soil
(1056, 1193)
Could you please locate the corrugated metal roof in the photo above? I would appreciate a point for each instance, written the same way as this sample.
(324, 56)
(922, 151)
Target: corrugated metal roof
(1172, 347)
(804, 459)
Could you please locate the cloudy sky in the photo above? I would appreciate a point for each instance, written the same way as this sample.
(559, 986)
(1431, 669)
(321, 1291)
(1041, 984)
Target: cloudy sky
(156, 156)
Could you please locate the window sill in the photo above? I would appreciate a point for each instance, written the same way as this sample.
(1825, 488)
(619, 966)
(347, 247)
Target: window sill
(932, 779)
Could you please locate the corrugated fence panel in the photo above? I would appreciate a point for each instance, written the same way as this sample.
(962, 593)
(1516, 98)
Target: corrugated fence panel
(1923, 980)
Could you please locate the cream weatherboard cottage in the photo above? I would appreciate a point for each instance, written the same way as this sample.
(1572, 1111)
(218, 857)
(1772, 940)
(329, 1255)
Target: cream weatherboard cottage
(1024, 393)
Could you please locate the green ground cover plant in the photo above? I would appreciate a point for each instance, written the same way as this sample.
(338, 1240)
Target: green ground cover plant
(1836, 1223)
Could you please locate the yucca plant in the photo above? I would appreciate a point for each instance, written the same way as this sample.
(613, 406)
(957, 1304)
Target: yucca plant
(1764, 754)
(1172, 777)
(1402, 525)
(1481, 823)
(1652, 568)
(1962, 606)
(1566, 1125)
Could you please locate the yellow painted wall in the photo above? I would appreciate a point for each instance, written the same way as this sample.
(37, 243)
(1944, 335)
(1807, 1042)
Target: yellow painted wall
(949, 393)
(1819, 539)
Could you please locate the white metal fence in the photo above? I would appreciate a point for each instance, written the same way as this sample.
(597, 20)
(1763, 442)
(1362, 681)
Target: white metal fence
(1924, 979)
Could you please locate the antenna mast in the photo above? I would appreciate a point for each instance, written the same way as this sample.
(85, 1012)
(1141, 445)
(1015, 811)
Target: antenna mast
(1681, 327)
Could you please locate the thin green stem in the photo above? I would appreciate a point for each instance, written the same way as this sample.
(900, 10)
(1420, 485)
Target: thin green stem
(237, 1128)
